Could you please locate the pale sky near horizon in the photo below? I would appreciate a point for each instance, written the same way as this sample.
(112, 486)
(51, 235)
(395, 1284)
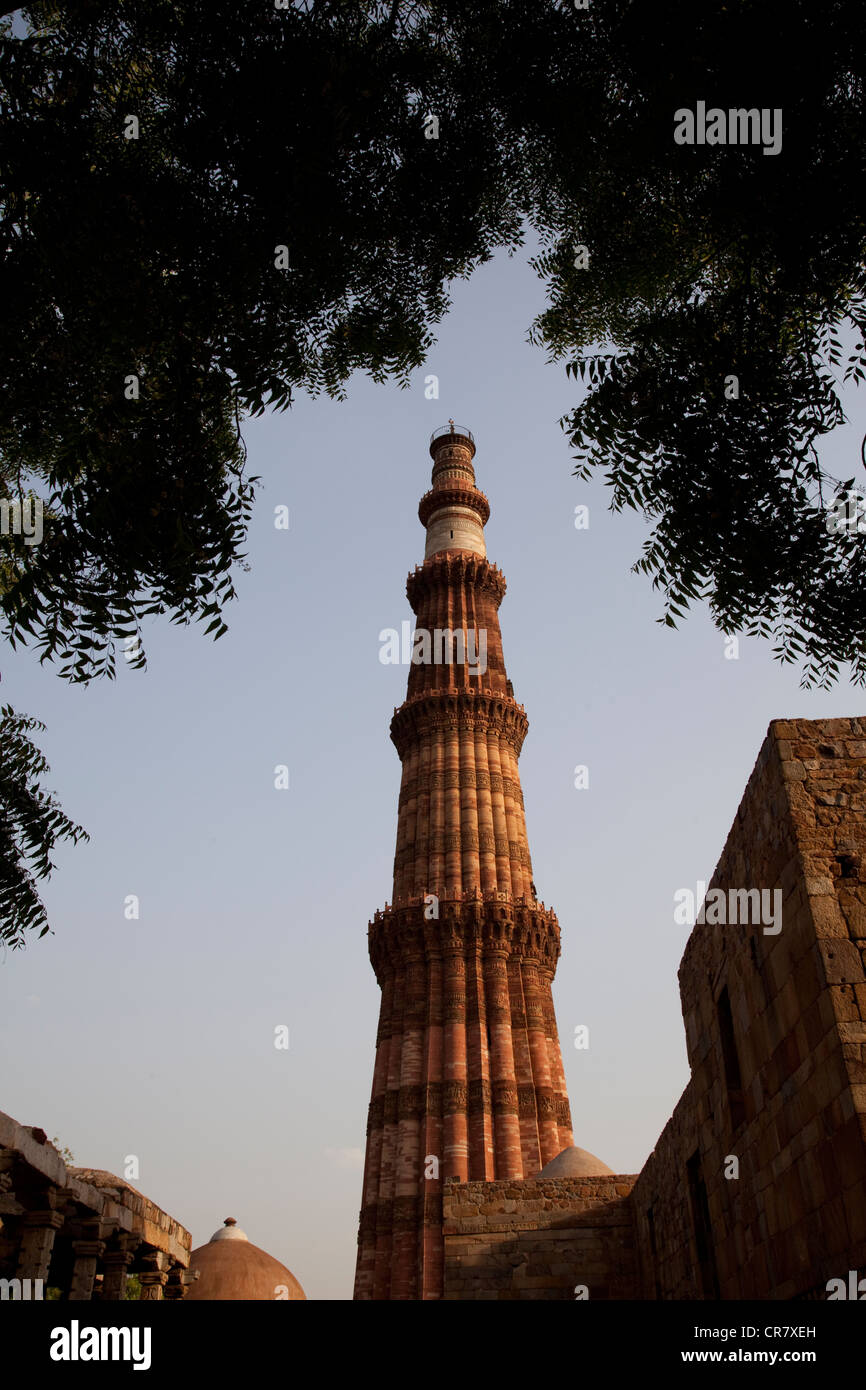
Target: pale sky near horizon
(155, 1037)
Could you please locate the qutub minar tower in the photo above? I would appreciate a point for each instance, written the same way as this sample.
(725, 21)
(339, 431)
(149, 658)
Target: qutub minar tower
(473, 1188)
(468, 1080)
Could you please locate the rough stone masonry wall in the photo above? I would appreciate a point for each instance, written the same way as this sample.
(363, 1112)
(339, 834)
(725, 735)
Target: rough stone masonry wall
(538, 1239)
(796, 1215)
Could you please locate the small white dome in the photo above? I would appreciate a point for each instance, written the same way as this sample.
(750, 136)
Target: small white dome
(230, 1230)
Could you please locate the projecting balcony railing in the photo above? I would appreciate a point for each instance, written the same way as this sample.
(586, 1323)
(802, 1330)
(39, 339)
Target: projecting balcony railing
(451, 428)
(437, 498)
(469, 895)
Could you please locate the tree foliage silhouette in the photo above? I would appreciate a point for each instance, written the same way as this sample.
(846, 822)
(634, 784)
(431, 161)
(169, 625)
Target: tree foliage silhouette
(205, 210)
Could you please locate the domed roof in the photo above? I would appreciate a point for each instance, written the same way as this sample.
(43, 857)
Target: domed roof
(231, 1267)
(574, 1163)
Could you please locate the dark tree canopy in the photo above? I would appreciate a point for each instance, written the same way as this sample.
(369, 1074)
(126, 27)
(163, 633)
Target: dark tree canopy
(206, 208)
(716, 262)
(155, 158)
(307, 128)
(31, 823)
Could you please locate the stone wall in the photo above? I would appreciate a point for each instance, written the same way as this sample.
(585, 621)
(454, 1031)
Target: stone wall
(776, 1036)
(539, 1239)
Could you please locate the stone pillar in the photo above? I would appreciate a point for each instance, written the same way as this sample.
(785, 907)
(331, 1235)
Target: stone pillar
(87, 1254)
(116, 1264)
(38, 1229)
(153, 1279)
(179, 1280)
(9, 1204)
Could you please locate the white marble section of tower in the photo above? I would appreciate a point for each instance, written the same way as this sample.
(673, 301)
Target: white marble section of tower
(454, 528)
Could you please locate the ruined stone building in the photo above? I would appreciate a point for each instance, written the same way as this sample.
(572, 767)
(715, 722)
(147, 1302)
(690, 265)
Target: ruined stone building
(79, 1231)
(472, 1186)
(77, 1234)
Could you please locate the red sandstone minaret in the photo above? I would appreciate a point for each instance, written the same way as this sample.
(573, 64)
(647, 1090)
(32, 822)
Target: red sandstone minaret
(468, 1080)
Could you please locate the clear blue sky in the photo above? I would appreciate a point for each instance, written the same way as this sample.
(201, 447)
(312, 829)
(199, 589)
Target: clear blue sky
(155, 1037)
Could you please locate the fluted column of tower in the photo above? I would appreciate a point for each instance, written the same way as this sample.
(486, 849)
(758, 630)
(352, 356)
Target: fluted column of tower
(468, 1080)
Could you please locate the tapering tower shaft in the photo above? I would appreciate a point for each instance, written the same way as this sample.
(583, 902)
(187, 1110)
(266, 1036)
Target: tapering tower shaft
(468, 1080)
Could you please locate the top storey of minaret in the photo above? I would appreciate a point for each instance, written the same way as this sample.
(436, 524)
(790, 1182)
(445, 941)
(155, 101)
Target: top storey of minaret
(454, 511)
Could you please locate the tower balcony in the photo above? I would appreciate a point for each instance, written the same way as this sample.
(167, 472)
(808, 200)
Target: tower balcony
(451, 434)
(497, 897)
(438, 498)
